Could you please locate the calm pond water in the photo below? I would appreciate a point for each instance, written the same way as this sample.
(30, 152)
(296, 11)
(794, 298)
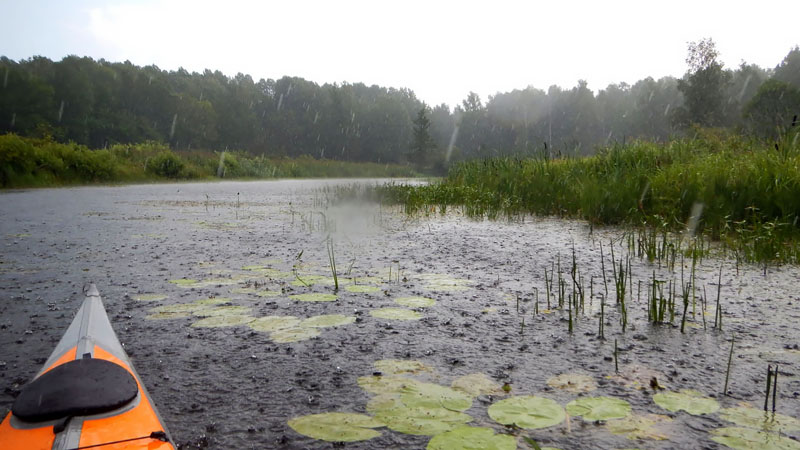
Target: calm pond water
(158, 253)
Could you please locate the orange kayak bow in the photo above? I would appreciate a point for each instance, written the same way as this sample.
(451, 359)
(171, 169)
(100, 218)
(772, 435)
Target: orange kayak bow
(87, 395)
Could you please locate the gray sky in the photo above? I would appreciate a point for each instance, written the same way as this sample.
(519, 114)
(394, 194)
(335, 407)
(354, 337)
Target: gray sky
(439, 49)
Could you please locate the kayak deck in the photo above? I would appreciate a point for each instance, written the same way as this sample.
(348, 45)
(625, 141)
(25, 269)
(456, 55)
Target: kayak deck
(87, 394)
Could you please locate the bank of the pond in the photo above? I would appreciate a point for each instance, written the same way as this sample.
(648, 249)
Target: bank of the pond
(29, 162)
(739, 191)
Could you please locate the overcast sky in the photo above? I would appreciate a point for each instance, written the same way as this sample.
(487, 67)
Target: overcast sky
(439, 49)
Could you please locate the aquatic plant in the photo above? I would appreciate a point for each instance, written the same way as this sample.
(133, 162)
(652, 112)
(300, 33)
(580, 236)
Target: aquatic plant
(688, 400)
(465, 437)
(599, 408)
(529, 412)
(337, 426)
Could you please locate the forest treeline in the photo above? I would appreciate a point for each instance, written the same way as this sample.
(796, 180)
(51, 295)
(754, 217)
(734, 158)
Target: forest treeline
(101, 103)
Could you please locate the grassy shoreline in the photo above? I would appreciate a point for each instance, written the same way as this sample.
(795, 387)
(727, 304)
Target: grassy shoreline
(31, 162)
(743, 193)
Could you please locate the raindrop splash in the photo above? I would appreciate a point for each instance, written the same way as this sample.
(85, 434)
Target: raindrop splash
(744, 86)
(172, 128)
(221, 166)
(61, 111)
(450, 145)
(280, 102)
(666, 110)
(13, 119)
(694, 218)
(5, 79)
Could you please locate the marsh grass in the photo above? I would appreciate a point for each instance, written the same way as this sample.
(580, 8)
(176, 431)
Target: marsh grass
(739, 192)
(36, 162)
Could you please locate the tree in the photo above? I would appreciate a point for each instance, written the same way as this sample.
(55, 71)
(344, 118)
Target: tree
(773, 108)
(789, 69)
(703, 87)
(422, 144)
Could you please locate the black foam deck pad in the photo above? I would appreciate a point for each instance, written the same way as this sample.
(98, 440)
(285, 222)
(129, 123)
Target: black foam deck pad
(78, 388)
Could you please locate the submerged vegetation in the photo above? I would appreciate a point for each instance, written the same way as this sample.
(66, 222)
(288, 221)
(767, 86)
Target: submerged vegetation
(719, 186)
(34, 162)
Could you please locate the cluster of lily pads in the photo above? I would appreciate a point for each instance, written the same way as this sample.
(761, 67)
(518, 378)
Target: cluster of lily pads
(404, 403)
(218, 312)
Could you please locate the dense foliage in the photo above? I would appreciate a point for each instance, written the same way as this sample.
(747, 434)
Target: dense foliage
(100, 103)
(26, 162)
(739, 189)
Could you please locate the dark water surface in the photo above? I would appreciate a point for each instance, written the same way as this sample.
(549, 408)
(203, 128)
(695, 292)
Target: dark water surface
(233, 387)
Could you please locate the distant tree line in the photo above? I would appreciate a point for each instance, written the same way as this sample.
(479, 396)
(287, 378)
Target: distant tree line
(100, 103)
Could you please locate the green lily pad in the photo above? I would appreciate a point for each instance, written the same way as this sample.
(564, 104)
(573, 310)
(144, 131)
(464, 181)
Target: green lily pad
(573, 382)
(395, 314)
(221, 311)
(464, 438)
(421, 419)
(362, 289)
(149, 297)
(639, 426)
(384, 384)
(328, 320)
(444, 283)
(190, 307)
(527, 411)
(415, 302)
(400, 366)
(223, 321)
(313, 297)
(692, 402)
(184, 282)
(599, 408)
(476, 384)
(741, 438)
(293, 334)
(336, 426)
(168, 315)
(428, 394)
(746, 416)
(274, 323)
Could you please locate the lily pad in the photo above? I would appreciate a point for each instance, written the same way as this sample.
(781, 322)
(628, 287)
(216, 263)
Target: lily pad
(415, 302)
(472, 438)
(222, 311)
(293, 334)
(190, 307)
(639, 426)
(274, 323)
(425, 420)
(223, 321)
(426, 394)
(384, 384)
(185, 282)
(400, 366)
(362, 289)
(528, 412)
(476, 384)
(395, 314)
(573, 382)
(692, 402)
(168, 315)
(313, 297)
(599, 408)
(741, 438)
(328, 320)
(336, 426)
(755, 418)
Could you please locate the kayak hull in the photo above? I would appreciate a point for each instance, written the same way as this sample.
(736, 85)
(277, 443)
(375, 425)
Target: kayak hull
(134, 425)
